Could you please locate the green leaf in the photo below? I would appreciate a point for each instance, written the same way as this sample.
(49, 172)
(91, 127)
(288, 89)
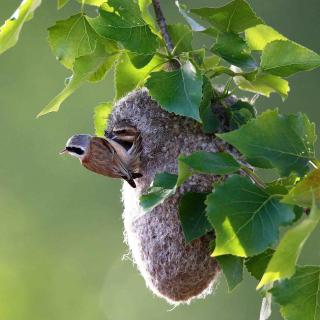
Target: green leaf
(184, 172)
(210, 122)
(283, 262)
(210, 62)
(72, 38)
(195, 26)
(285, 58)
(96, 3)
(192, 213)
(10, 31)
(145, 14)
(304, 191)
(259, 36)
(177, 91)
(264, 84)
(299, 297)
(257, 265)
(218, 163)
(101, 115)
(246, 218)
(240, 113)
(128, 78)
(232, 48)
(126, 25)
(139, 60)
(285, 142)
(232, 268)
(163, 186)
(62, 3)
(91, 67)
(181, 36)
(236, 16)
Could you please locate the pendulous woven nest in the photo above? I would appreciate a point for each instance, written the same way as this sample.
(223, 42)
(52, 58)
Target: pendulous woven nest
(171, 268)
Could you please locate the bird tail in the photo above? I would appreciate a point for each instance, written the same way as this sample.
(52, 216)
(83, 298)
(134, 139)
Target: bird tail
(135, 154)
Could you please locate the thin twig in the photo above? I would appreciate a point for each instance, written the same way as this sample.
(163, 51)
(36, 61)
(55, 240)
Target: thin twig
(162, 25)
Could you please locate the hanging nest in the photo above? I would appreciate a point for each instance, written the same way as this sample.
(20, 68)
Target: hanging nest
(172, 269)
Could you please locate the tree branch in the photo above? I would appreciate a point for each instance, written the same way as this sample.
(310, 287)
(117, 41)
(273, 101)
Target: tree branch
(162, 25)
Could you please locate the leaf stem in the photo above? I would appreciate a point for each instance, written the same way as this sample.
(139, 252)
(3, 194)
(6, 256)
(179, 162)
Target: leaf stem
(162, 25)
(253, 176)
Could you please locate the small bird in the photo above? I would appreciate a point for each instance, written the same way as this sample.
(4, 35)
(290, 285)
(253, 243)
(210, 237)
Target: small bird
(110, 156)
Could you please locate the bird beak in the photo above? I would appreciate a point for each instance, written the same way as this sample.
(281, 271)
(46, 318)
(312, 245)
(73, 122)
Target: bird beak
(63, 151)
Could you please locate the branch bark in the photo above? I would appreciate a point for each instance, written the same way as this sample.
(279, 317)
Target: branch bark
(162, 25)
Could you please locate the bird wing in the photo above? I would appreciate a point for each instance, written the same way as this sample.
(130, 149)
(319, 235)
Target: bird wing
(115, 164)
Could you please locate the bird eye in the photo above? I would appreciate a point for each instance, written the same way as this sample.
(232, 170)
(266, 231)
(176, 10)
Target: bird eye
(76, 150)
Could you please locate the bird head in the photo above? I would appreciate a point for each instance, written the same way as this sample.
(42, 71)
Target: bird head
(77, 145)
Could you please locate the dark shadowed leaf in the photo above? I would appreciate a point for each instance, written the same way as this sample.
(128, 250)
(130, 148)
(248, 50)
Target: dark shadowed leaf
(163, 186)
(192, 213)
(285, 142)
(257, 265)
(240, 113)
(177, 91)
(299, 297)
(218, 163)
(236, 16)
(232, 268)
(232, 48)
(210, 122)
(246, 219)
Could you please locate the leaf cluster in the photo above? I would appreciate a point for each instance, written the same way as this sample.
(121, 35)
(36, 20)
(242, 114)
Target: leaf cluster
(245, 212)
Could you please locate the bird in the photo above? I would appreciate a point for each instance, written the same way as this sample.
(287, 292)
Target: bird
(113, 155)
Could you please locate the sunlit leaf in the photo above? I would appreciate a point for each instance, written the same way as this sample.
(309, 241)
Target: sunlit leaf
(264, 84)
(10, 31)
(128, 78)
(304, 191)
(86, 68)
(101, 115)
(285, 58)
(246, 219)
(259, 36)
(236, 16)
(283, 262)
(285, 142)
(72, 38)
(177, 91)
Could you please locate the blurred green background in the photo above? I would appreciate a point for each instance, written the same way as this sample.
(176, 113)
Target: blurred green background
(61, 243)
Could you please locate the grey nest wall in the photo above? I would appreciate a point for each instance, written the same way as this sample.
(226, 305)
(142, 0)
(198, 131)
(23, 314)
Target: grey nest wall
(171, 268)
